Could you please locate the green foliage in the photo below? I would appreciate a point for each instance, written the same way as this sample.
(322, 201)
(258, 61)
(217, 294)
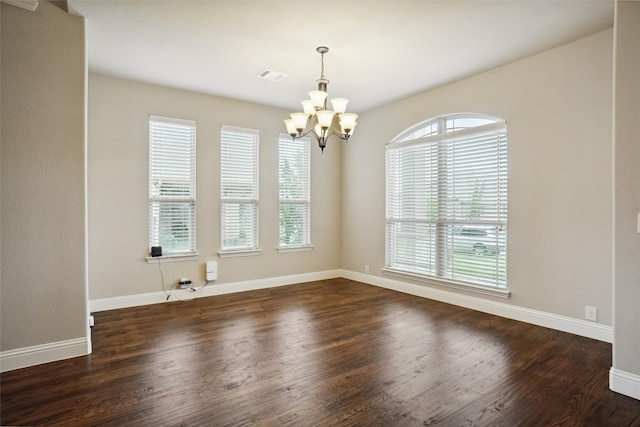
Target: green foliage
(292, 221)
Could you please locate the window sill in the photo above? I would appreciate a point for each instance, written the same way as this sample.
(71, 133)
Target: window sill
(486, 290)
(191, 256)
(287, 249)
(239, 253)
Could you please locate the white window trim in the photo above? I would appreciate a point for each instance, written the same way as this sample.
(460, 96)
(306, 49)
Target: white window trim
(472, 287)
(192, 256)
(239, 253)
(307, 246)
(192, 199)
(301, 248)
(230, 252)
(454, 134)
(397, 143)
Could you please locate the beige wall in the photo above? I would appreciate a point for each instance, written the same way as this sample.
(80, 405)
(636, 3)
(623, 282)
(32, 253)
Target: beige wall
(44, 295)
(558, 109)
(118, 190)
(626, 347)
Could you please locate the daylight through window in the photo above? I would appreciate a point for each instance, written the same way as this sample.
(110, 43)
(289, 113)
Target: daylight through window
(239, 189)
(293, 169)
(172, 184)
(446, 209)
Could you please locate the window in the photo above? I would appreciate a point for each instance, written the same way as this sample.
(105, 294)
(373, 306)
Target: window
(295, 203)
(446, 210)
(172, 185)
(239, 191)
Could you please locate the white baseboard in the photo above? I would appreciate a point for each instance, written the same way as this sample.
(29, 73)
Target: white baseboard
(535, 317)
(624, 383)
(44, 353)
(211, 289)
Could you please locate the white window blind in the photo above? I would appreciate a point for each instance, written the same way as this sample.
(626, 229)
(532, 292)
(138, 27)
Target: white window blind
(239, 188)
(172, 184)
(294, 189)
(447, 201)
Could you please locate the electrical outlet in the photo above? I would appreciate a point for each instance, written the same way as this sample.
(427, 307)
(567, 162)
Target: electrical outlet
(366, 269)
(184, 283)
(590, 313)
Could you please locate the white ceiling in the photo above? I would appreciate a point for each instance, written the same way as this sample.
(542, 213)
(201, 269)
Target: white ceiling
(380, 51)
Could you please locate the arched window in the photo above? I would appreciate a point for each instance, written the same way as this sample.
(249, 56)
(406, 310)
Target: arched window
(446, 194)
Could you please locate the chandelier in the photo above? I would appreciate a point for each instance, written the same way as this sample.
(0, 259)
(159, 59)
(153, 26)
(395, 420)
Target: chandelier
(317, 120)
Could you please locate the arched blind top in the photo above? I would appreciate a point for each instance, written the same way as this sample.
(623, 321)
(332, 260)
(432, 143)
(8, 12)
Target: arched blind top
(446, 124)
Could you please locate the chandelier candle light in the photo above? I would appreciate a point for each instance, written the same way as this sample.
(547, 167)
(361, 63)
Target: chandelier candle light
(317, 120)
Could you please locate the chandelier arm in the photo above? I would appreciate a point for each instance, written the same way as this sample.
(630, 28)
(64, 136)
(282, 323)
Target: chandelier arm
(335, 130)
(304, 133)
(342, 136)
(309, 130)
(322, 142)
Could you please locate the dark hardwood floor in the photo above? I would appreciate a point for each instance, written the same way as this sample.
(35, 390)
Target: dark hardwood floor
(325, 353)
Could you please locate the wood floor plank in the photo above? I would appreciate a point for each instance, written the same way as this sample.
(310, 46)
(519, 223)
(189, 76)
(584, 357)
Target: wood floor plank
(325, 353)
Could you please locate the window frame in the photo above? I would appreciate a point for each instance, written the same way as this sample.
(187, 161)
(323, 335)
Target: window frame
(303, 199)
(238, 166)
(442, 249)
(166, 130)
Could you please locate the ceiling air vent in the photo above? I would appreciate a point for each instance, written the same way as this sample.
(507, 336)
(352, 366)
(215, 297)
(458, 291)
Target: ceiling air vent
(271, 75)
